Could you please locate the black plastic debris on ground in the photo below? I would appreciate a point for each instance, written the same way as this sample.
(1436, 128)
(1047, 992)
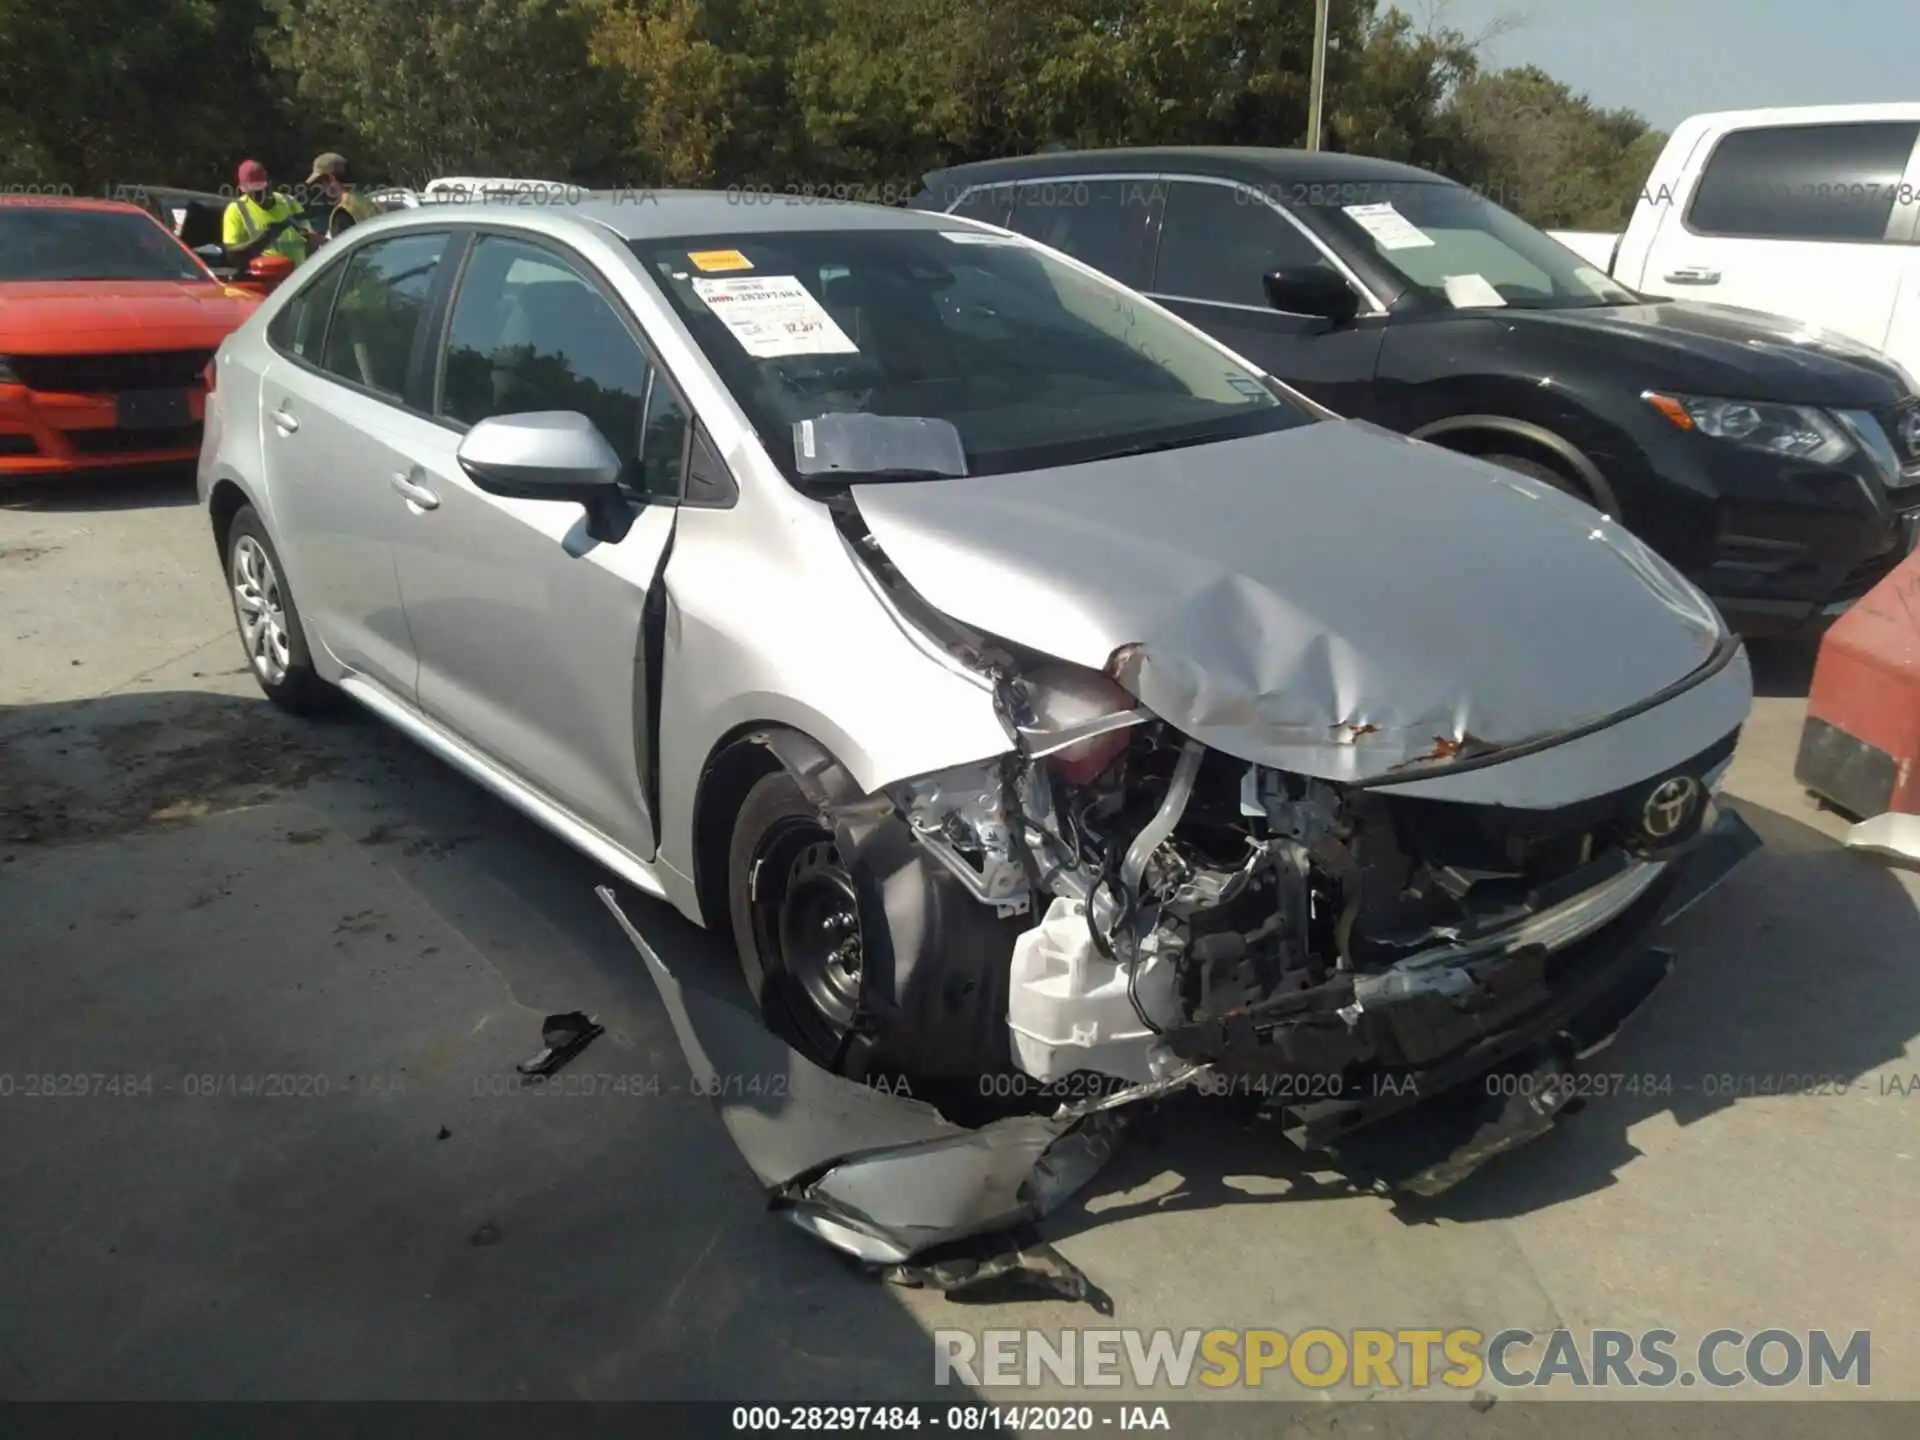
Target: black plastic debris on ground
(564, 1037)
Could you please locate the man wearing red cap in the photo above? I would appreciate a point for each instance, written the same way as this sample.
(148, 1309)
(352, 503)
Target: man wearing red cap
(260, 213)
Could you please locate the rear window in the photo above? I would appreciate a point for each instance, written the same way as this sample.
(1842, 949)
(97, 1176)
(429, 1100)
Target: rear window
(1031, 360)
(47, 242)
(1804, 182)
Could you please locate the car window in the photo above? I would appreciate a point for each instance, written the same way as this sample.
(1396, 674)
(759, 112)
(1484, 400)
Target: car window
(301, 326)
(1217, 241)
(987, 202)
(383, 296)
(663, 443)
(1032, 361)
(1099, 222)
(1804, 182)
(530, 332)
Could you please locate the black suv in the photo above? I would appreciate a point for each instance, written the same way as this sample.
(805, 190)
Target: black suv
(1778, 467)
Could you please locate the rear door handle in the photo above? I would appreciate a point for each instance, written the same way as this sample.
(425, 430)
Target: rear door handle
(285, 423)
(1693, 275)
(407, 486)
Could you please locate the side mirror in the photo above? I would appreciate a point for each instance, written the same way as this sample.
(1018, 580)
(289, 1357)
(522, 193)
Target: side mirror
(551, 455)
(1312, 291)
(212, 254)
(270, 268)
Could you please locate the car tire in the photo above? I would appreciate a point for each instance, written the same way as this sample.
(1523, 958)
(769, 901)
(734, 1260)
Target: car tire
(1545, 474)
(795, 919)
(268, 621)
(936, 1016)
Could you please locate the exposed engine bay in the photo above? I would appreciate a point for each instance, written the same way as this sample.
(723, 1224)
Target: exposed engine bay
(1173, 889)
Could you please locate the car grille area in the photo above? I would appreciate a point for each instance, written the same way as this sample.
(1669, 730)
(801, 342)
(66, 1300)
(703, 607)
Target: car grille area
(127, 442)
(109, 374)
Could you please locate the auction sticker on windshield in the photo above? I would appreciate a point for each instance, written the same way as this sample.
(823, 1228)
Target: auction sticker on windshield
(1467, 292)
(719, 260)
(774, 315)
(1390, 229)
(979, 237)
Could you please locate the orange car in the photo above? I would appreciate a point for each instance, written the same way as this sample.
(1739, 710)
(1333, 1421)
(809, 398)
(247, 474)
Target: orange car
(107, 325)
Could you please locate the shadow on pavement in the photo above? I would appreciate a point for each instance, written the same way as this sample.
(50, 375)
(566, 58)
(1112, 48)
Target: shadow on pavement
(161, 487)
(310, 956)
(201, 890)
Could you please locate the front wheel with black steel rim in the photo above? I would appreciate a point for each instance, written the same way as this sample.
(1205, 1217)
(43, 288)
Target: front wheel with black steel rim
(269, 623)
(795, 919)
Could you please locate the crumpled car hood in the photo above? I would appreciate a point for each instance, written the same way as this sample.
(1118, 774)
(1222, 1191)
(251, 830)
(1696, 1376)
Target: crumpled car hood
(1333, 600)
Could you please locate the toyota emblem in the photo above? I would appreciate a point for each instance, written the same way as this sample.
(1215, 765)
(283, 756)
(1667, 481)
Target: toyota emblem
(1910, 433)
(1670, 807)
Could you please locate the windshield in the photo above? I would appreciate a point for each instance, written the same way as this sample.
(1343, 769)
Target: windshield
(57, 243)
(1031, 362)
(1460, 249)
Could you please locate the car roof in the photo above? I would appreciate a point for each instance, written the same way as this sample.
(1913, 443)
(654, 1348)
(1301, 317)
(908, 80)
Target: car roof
(649, 214)
(71, 202)
(1254, 163)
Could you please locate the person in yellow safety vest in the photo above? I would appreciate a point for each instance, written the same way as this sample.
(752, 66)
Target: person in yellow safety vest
(256, 210)
(347, 206)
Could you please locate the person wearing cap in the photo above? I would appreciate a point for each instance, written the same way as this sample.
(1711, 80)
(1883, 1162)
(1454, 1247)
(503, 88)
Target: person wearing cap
(347, 206)
(261, 219)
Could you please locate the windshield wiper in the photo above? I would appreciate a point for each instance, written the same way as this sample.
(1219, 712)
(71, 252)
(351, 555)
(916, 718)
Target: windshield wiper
(1149, 447)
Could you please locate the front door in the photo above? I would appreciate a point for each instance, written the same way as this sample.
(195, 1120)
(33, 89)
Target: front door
(331, 403)
(531, 636)
(1217, 242)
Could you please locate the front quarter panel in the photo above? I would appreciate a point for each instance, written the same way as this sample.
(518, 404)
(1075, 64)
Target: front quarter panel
(772, 620)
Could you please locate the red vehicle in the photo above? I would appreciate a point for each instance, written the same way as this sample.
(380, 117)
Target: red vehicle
(107, 327)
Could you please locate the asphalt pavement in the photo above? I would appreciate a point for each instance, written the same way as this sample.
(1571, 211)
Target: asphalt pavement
(307, 955)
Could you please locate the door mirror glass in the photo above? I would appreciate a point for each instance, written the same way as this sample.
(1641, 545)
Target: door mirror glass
(1319, 293)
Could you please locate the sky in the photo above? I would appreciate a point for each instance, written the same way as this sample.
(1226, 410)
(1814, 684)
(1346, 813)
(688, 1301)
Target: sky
(1669, 59)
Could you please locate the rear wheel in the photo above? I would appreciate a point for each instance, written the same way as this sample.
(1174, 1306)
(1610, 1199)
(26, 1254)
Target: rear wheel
(268, 620)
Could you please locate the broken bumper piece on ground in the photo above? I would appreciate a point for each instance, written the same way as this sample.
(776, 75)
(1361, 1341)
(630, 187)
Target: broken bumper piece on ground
(887, 1178)
(892, 1182)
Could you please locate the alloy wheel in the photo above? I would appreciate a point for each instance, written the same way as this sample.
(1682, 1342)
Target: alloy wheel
(261, 610)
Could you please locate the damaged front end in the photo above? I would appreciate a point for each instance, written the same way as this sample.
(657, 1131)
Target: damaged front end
(1349, 929)
(1166, 917)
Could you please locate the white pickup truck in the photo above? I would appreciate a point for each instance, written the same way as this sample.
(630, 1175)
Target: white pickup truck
(1811, 212)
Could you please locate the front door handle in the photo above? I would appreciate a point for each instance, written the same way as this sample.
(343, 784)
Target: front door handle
(1693, 275)
(407, 486)
(284, 422)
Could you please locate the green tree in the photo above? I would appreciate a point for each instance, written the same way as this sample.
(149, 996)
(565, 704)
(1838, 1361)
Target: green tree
(98, 93)
(418, 88)
(1552, 155)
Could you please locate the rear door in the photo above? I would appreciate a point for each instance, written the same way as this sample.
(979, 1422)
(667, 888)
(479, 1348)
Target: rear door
(1217, 240)
(531, 636)
(332, 401)
(1795, 220)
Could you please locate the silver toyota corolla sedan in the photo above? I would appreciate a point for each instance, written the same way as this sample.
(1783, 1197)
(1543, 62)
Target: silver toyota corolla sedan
(1055, 710)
